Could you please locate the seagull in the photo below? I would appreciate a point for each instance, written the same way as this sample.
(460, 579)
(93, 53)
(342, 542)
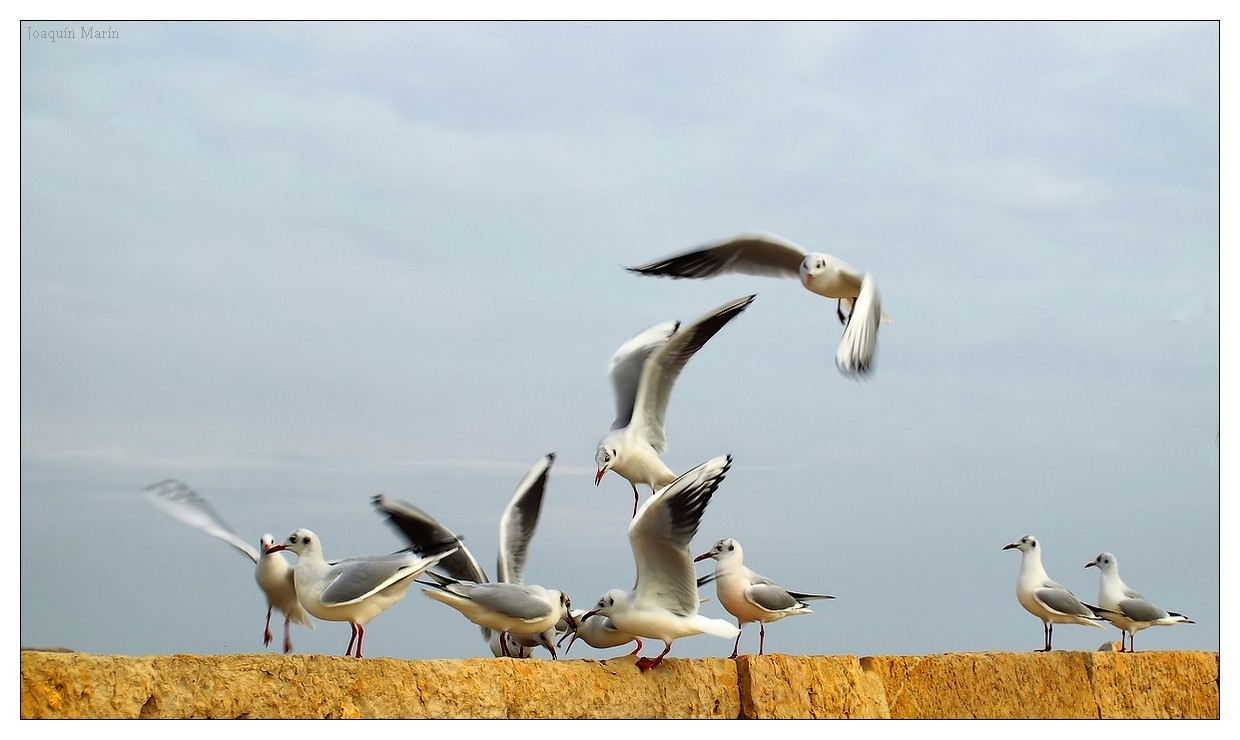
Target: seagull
(354, 590)
(516, 528)
(1045, 599)
(1125, 608)
(664, 603)
(597, 632)
(771, 256)
(274, 576)
(506, 607)
(642, 373)
(751, 597)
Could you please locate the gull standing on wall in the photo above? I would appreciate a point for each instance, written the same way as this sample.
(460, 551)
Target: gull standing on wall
(1125, 608)
(1042, 597)
(751, 597)
(355, 590)
(769, 255)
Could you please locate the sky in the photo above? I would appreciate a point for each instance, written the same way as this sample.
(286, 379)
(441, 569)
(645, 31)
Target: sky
(296, 265)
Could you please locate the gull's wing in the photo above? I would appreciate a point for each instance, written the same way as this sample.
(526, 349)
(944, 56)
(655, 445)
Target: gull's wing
(660, 534)
(802, 596)
(770, 596)
(516, 526)
(664, 366)
(1140, 610)
(508, 599)
(355, 579)
(855, 355)
(752, 254)
(426, 535)
(626, 366)
(1059, 599)
(182, 503)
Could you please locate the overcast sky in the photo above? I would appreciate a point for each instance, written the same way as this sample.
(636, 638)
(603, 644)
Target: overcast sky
(297, 265)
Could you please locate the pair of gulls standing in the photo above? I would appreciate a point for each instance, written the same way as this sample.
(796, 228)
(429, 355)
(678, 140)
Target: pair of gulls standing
(1054, 604)
(354, 590)
(664, 602)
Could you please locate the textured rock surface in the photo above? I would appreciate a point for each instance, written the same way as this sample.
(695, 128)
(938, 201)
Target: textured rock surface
(1059, 684)
(301, 686)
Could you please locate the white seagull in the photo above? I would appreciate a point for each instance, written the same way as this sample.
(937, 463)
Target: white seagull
(1042, 597)
(642, 373)
(516, 528)
(751, 597)
(354, 590)
(769, 255)
(506, 607)
(664, 603)
(597, 632)
(272, 571)
(1125, 608)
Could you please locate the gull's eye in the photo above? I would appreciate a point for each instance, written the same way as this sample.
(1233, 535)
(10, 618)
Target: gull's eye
(292, 538)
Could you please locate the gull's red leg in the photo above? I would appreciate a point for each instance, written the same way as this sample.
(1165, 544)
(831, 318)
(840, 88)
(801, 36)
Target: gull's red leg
(352, 637)
(646, 664)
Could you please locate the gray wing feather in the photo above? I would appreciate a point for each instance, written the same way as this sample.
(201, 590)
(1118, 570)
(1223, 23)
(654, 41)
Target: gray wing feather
(661, 531)
(357, 578)
(802, 596)
(770, 596)
(508, 598)
(751, 254)
(1061, 600)
(1140, 610)
(184, 504)
(625, 368)
(426, 536)
(664, 366)
(516, 526)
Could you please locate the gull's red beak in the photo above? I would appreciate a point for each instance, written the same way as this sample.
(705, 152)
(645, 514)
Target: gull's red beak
(703, 556)
(599, 476)
(276, 548)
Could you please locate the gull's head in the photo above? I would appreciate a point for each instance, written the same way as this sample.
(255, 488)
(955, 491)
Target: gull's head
(1028, 543)
(608, 603)
(267, 542)
(605, 458)
(299, 541)
(725, 549)
(1105, 562)
(811, 267)
(566, 612)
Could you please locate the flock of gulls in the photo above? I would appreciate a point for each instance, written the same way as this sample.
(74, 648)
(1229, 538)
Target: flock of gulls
(518, 619)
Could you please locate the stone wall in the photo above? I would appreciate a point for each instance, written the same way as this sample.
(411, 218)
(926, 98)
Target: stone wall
(992, 685)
